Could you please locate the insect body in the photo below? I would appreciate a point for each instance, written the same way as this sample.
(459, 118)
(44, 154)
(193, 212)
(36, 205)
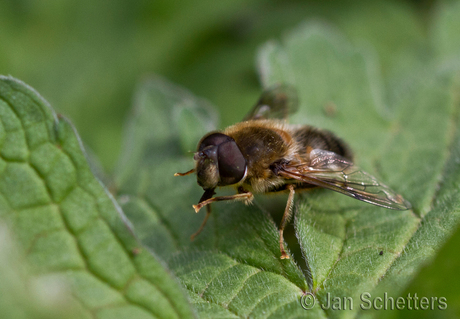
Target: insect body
(265, 155)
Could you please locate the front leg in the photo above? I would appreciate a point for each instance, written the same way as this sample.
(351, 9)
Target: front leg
(208, 213)
(206, 199)
(242, 195)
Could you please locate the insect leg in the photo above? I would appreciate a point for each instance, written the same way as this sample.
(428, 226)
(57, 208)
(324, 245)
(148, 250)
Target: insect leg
(206, 200)
(247, 196)
(208, 213)
(186, 173)
(286, 217)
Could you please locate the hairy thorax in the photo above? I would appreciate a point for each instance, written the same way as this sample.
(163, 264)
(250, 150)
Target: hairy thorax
(263, 143)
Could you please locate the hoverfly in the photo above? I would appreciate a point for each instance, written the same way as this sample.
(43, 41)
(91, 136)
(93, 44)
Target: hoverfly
(264, 154)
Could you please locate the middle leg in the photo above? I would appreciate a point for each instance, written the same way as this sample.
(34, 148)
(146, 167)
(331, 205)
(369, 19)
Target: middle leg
(286, 217)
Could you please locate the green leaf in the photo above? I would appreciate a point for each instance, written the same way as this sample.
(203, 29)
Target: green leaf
(440, 278)
(68, 227)
(26, 296)
(352, 248)
(66, 223)
(431, 281)
(232, 269)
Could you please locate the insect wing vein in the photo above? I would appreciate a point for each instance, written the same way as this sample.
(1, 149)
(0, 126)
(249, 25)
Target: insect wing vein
(329, 170)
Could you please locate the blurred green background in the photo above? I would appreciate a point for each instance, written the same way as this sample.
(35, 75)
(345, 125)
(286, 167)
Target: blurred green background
(86, 57)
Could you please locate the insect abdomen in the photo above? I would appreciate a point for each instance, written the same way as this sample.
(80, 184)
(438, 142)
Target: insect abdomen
(310, 138)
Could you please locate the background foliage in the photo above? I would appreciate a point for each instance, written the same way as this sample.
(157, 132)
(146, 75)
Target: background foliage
(86, 59)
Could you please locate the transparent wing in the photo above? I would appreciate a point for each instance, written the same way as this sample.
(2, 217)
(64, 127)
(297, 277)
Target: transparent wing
(276, 102)
(329, 170)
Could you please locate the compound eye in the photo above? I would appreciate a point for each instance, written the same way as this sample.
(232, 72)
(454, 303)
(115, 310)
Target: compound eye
(232, 164)
(213, 139)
